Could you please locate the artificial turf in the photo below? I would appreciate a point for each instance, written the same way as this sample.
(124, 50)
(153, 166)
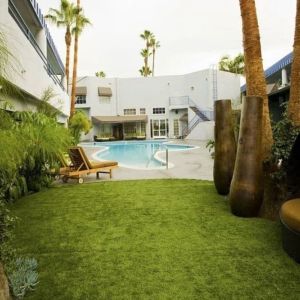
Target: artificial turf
(152, 239)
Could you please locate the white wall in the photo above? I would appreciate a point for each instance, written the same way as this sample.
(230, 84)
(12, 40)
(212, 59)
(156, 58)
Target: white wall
(136, 93)
(29, 71)
(203, 131)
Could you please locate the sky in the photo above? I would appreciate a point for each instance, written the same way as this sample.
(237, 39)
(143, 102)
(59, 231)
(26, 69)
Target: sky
(193, 34)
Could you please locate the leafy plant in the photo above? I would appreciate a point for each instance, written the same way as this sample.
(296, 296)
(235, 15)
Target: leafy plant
(211, 146)
(79, 124)
(24, 277)
(284, 134)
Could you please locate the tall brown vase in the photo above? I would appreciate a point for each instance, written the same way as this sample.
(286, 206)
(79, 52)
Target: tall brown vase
(246, 191)
(225, 146)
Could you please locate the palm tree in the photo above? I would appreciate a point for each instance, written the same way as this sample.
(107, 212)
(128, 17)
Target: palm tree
(255, 78)
(145, 70)
(65, 16)
(81, 23)
(255, 139)
(146, 36)
(294, 101)
(234, 65)
(154, 44)
(100, 74)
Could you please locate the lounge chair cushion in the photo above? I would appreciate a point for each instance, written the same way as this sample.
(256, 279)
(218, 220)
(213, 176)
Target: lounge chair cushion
(290, 214)
(103, 164)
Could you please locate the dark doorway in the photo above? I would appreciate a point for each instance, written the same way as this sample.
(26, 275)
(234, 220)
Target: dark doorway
(118, 131)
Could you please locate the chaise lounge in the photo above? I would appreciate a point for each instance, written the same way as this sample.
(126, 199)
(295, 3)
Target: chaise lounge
(82, 166)
(290, 220)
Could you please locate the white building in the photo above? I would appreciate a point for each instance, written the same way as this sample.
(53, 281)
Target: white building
(38, 65)
(155, 107)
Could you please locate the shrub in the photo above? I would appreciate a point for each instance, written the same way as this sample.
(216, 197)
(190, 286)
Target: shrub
(79, 124)
(24, 277)
(284, 134)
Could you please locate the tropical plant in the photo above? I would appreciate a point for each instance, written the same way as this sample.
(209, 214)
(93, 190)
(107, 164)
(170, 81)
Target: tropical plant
(100, 74)
(24, 277)
(285, 134)
(65, 17)
(145, 70)
(81, 23)
(294, 101)
(154, 44)
(146, 36)
(79, 124)
(44, 106)
(234, 65)
(44, 139)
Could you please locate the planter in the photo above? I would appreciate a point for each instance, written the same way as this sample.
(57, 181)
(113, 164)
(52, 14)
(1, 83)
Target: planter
(246, 191)
(225, 146)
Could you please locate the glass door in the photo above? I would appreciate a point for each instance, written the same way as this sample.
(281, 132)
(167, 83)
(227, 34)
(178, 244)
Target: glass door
(159, 129)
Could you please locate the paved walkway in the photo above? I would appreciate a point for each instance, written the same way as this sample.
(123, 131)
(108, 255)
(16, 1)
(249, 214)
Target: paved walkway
(191, 164)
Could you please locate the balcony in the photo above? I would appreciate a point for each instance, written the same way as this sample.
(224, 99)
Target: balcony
(31, 27)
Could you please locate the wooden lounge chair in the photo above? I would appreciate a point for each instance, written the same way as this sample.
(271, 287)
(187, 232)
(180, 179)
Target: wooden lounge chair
(81, 166)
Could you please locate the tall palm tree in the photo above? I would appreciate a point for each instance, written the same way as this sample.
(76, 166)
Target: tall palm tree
(154, 44)
(100, 74)
(146, 36)
(65, 16)
(294, 101)
(81, 23)
(254, 71)
(234, 65)
(255, 138)
(145, 70)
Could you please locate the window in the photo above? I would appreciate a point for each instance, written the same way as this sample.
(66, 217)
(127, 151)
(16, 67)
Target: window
(159, 110)
(80, 99)
(129, 111)
(142, 111)
(159, 128)
(176, 127)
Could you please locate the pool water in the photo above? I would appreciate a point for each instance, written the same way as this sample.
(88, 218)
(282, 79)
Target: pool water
(136, 154)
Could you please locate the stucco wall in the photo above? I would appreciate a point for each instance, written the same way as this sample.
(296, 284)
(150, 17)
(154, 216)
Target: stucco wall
(148, 93)
(29, 72)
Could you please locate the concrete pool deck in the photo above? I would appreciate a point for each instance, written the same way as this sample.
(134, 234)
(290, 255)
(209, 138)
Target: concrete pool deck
(189, 164)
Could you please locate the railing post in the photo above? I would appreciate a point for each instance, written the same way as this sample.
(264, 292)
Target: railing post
(167, 158)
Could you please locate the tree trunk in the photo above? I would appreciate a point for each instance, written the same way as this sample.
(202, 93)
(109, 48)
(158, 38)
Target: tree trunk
(74, 77)
(246, 187)
(153, 61)
(294, 102)
(225, 146)
(68, 40)
(255, 78)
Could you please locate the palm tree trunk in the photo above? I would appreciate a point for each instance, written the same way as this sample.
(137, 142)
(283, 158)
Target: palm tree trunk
(68, 46)
(153, 61)
(294, 102)
(255, 78)
(255, 139)
(74, 77)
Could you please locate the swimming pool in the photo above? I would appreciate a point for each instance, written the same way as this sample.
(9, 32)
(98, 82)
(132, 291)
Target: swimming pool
(136, 154)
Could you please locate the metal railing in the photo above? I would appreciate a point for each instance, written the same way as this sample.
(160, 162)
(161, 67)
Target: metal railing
(22, 25)
(201, 115)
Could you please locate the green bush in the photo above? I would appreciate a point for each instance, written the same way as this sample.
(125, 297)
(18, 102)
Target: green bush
(24, 277)
(284, 134)
(79, 124)
(29, 144)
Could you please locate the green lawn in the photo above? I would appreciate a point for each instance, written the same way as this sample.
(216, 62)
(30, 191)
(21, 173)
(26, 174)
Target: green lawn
(154, 239)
